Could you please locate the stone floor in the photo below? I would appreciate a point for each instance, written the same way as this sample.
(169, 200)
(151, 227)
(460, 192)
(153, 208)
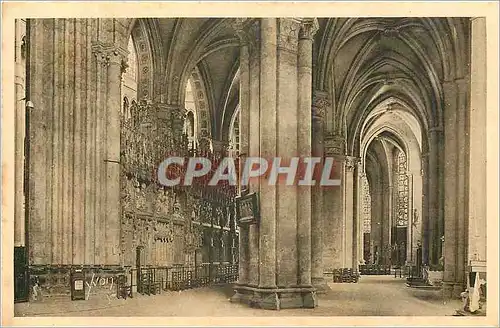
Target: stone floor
(371, 296)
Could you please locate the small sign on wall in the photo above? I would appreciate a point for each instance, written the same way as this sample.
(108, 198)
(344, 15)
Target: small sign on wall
(247, 209)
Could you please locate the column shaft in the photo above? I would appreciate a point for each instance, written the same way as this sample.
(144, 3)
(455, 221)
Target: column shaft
(425, 211)
(113, 204)
(450, 186)
(267, 228)
(20, 75)
(461, 203)
(254, 151)
(288, 256)
(304, 149)
(478, 145)
(333, 207)
(348, 222)
(433, 196)
(317, 192)
(244, 136)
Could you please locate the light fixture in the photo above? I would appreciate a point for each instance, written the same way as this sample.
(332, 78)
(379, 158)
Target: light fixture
(29, 105)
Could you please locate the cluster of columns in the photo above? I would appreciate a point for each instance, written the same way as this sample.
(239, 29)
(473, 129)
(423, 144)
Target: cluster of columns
(464, 124)
(74, 171)
(454, 227)
(341, 216)
(275, 100)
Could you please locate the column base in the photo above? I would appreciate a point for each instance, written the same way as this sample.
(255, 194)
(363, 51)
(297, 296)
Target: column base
(275, 298)
(448, 290)
(320, 285)
(452, 289)
(458, 288)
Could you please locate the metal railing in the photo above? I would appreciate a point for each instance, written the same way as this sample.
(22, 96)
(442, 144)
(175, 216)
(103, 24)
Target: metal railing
(374, 269)
(154, 280)
(343, 275)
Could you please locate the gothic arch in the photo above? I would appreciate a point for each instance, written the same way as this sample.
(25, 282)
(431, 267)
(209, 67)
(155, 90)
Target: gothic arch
(148, 46)
(202, 105)
(422, 53)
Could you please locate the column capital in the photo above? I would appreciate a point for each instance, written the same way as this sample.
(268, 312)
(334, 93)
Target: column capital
(436, 129)
(454, 83)
(449, 87)
(320, 103)
(351, 162)
(334, 145)
(248, 31)
(109, 53)
(462, 84)
(288, 33)
(308, 28)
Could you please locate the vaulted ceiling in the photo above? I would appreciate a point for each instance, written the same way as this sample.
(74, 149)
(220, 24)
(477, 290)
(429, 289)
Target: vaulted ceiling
(365, 61)
(360, 62)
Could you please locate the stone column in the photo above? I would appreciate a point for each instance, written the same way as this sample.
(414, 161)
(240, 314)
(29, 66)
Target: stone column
(280, 244)
(320, 102)
(349, 224)
(243, 256)
(333, 206)
(478, 146)
(461, 130)
(425, 210)
(450, 187)
(20, 126)
(115, 57)
(253, 30)
(435, 232)
(376, 241)
(308, 28)
(268, 115)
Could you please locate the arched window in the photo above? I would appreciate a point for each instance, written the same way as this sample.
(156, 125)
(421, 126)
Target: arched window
(190, 122)
(129, 80)
(403, 190)
(125, 109)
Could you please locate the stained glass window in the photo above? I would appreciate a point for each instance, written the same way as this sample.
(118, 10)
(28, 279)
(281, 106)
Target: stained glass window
(403, 191)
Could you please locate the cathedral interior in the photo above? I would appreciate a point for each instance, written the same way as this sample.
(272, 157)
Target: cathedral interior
(399, 103)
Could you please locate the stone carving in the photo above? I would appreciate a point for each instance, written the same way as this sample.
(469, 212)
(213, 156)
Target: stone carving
(351, 163)
(149, 133)
(320, 103)
(108, 53)
(140, 196)
(390, 32)
(164, 232)
(205, 144)
(163, 202)
(334, 145)
(248, 31)
(288, 33)
(193, 239)
(308, 28)
(127, 194)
